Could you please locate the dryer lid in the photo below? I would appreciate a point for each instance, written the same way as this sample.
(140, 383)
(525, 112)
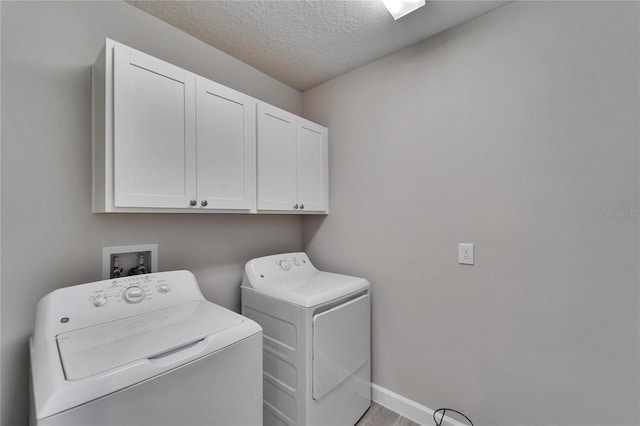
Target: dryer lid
(311, 290)
(92, 350)
(293, 278)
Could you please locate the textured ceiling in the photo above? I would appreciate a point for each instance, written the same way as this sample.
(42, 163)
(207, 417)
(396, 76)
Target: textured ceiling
(305, 43)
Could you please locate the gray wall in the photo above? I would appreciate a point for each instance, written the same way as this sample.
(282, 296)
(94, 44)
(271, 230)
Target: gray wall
(516, 131)
(50, 238)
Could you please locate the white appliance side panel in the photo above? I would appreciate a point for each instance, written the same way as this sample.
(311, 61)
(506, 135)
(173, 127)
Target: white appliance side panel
(341, 344)
(224, 388)
(283, 372)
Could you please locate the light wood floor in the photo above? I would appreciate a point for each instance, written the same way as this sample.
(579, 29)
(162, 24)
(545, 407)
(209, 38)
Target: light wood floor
(377, 415)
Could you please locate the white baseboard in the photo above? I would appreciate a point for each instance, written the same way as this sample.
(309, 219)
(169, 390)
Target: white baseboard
(408, 408)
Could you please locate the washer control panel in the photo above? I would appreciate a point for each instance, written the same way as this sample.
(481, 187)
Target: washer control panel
(78, 306)
(131, 290)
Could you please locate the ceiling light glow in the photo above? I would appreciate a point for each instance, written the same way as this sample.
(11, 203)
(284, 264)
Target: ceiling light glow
(400, 8)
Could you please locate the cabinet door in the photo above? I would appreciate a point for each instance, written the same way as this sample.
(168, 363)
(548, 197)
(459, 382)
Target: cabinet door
(225, 147)
(276, 159)
(312, 166)
(154, 132)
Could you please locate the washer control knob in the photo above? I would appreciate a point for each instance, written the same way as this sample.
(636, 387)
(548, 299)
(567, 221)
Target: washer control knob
(99, 300)
(163, 288)
(133, 294)
(284, 264)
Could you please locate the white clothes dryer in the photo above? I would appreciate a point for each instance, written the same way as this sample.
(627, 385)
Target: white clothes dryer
(143, 350)
(317, 340)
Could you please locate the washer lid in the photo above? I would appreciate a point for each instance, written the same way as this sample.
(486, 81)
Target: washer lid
(91, 350)
(313, 289)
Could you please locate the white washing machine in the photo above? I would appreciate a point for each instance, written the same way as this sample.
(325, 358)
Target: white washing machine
(143, 350)
(317, 369)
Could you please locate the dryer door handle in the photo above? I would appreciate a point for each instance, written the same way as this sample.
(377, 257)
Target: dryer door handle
(179, 354)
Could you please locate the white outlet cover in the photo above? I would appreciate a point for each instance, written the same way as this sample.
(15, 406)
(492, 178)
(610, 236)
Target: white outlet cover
(465, 254)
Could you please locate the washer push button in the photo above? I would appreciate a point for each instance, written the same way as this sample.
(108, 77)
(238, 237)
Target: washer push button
(133, 294)
(99, 300)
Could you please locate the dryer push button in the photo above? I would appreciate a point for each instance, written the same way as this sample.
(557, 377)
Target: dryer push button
(284, 265)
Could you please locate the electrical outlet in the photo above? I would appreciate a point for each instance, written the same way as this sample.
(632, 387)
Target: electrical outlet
(465, 254)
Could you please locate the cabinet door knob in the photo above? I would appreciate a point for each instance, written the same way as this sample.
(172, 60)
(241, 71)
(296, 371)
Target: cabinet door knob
(295, 207)
(193, 202)
(204, 203)
(301, 206)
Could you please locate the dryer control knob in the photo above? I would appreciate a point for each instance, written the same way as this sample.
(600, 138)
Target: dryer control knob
(163, 288)
(99, 301)
(133, 294)
(284, 264)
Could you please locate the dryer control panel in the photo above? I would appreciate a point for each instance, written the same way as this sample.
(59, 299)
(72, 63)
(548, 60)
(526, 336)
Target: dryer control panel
(279, 267)
(293, 278)
(287, 263)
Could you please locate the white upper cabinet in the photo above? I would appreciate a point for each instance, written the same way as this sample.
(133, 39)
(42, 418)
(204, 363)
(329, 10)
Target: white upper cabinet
(312, 166)
(154, 137)
(276, 159)
(225, 147)
(166, 140)
(292, 163)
